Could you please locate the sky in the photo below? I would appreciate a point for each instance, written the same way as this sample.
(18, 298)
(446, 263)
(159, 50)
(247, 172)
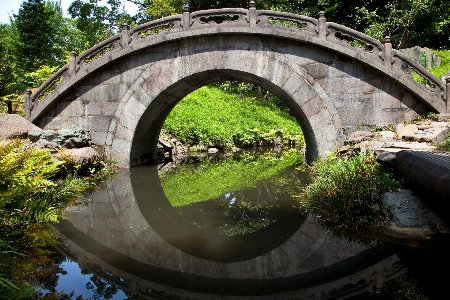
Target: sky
(10, 7)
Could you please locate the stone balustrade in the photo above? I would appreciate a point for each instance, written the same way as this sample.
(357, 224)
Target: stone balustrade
(249, 21)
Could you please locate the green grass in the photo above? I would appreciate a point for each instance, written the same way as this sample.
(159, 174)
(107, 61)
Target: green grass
(346, 193)
(209, 179)
(215, 117)
(444, 145)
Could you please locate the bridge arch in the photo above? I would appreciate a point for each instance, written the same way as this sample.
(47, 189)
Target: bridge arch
(146, 108)
(122, 89)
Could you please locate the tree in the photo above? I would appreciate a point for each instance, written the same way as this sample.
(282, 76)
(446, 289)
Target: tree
(35, 36)
(98, 22)
(409, 23)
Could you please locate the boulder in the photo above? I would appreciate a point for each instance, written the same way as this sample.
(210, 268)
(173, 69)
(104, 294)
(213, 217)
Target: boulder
(359, 136)
(407, 130)
(386, 136)
(15, 126)
(69, 137)
(423, 56)
(213, 150)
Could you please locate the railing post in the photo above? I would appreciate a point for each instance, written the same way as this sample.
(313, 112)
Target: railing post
(252, 13)
(28, 104)
(186, 17)
(388, 52)
(322, 24)
(447, 100)
(125, 36)
(73, 63)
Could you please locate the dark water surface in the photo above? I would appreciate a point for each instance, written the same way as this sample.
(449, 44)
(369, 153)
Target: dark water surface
(197, 232)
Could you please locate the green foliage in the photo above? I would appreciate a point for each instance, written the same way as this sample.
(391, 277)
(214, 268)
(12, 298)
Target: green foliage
(212, 116)
(210, 179)
(445, 145)
(409, 23)
(31, 196)
(444, 67)
(346, 193)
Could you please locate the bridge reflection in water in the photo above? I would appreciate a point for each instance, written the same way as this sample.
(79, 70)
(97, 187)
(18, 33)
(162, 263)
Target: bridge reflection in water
(130, 235)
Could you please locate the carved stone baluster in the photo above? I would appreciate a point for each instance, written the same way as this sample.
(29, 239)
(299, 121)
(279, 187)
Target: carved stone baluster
(125, 36)
(447, 88)
(186, 17)
(28, 104)
(252, 14)
(73, 63)
(322, 25)
(388, 52)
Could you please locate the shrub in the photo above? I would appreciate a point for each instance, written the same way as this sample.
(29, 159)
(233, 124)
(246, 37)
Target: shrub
(346, 193)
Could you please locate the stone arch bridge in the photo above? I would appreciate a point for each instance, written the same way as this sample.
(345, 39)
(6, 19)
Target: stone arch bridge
(333, 79)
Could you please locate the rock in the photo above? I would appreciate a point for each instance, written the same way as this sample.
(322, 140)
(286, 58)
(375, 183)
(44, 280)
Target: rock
(408, 146)
(15, 126)
(386, 136)
(386, 158)
(70, 137)
(86, 156)
(438, 124)
(365, 146)
(423, 56)
(410, 211)
(402, 130)
(235, 149)
(359, 136)
(423, 127)
(213, 150)
(444, 117)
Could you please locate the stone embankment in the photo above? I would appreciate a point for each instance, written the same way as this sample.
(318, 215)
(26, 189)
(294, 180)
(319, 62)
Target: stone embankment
(411, 150)
(73, 139)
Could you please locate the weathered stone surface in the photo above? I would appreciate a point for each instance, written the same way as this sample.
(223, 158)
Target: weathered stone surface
(328, 85)
(410, 211)
(444, 117)
(409, 145)
(15, 126)
(69, 137)
(386, 135)
(359, 136)
(387, 158)
(423, 56)
(407, 130)
(429, 170)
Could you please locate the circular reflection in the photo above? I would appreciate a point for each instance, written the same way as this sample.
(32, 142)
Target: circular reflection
(236, 226)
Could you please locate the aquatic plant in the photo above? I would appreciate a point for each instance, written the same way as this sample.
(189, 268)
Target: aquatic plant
(346, 193)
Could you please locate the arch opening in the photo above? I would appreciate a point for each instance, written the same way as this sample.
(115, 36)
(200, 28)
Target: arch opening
(144, 144)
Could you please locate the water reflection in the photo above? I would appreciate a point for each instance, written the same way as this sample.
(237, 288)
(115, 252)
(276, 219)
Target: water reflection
(130, 235)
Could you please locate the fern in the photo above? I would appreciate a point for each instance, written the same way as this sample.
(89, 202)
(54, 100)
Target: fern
(23, 172)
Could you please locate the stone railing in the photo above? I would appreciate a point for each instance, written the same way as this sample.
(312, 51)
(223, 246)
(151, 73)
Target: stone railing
(315, 31)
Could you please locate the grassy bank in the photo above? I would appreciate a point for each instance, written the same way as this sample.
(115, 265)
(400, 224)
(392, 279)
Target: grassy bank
(212, 116)
(345, 193)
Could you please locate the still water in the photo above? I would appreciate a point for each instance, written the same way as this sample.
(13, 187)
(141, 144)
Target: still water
(225, 227)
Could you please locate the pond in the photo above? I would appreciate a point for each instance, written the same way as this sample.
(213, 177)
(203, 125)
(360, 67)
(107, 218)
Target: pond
(225, 227)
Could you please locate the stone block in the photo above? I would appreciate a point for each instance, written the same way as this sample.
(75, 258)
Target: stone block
(98, 123)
